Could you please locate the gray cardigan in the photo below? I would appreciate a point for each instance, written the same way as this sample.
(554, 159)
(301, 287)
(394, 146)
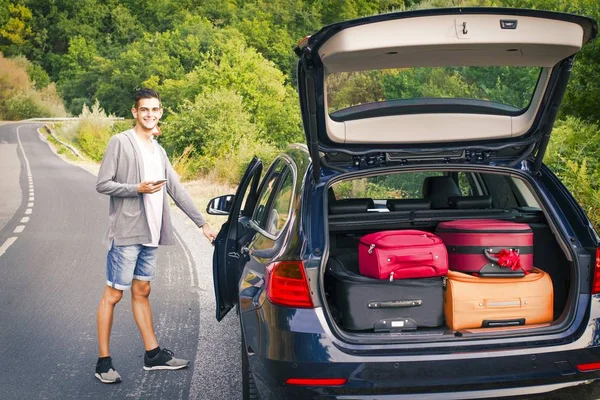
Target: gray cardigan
(120, 173)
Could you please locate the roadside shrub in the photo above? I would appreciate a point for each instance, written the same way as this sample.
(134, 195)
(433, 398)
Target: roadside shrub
(572, 155)
(19, 99)
(230, 169)
(94, 130)
(215, 125)
(186, 166)
(23, 106)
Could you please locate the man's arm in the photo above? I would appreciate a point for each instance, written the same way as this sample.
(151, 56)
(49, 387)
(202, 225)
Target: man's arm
(105, 183)
(184, 201)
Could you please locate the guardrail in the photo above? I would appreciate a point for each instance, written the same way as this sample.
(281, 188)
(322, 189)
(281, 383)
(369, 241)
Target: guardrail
(68, 146)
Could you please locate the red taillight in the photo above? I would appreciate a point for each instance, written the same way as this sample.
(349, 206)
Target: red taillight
(588, 367)
(287, 284)
(316, 381)
(596, 280)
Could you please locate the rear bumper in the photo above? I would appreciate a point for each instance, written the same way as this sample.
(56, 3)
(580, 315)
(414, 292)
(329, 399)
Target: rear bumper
(294, 345)
(410, 381)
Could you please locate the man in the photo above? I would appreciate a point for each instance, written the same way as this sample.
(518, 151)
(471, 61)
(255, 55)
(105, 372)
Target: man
(135, 172)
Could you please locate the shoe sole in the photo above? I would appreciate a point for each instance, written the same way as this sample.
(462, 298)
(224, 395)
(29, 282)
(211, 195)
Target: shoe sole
(164, 367)
(106, 380)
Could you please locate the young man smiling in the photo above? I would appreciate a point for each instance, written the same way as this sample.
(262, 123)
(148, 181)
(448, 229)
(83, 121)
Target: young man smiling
(135, 172)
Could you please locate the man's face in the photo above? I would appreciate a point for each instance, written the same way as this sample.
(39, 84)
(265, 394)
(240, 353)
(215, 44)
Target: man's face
(148, 113)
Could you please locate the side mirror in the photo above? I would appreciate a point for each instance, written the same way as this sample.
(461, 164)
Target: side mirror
(220, 205)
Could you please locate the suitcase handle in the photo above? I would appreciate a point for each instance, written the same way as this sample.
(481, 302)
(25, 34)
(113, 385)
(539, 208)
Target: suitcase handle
(413, 258)
(488, 254)
(491, 323)
(395, 304)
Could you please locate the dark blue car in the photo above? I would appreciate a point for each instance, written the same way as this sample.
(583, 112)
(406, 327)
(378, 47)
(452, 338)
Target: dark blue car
(412, 119)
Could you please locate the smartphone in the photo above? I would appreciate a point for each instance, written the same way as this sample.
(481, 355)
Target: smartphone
(159, 181)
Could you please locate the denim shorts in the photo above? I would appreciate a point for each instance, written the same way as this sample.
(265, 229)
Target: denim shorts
(126, 263)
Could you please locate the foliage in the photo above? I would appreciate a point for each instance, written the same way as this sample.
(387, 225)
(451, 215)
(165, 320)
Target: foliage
(572, 155)
(15, 27)
(94, 130)
(19, 98)
(214, 136)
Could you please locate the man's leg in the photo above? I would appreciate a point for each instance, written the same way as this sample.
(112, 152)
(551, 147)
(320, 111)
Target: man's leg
(155, 357)
(120, 263)
(140, 303)
(109, 300)
(105, 371)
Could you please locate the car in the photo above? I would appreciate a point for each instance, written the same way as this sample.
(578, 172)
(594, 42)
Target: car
(412, 119)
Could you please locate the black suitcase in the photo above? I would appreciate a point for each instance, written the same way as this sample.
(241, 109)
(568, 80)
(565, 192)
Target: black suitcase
(363, 303)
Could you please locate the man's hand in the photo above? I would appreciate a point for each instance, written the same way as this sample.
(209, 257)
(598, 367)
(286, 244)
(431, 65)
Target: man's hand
(209, 233)
(149, 187)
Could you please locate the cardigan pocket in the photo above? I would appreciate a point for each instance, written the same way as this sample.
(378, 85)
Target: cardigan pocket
(130, 224)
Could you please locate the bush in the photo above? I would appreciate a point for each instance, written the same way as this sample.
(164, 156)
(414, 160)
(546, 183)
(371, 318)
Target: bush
(94, 130)
(572, 155)
(19, 99)
(230, 169)
(214, 137)
(23, 106)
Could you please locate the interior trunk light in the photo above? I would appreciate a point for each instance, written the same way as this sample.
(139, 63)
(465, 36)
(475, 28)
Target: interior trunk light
(316, 381)
(287, 284)
(596, 280)
(588, 367)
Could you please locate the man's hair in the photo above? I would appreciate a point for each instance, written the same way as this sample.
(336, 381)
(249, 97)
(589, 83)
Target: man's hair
(145, 94)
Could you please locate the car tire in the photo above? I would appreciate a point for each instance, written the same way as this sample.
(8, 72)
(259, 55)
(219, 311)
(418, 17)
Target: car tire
(248, 386)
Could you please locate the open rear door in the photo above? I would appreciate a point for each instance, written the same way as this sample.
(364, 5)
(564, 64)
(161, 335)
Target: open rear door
(228, 260)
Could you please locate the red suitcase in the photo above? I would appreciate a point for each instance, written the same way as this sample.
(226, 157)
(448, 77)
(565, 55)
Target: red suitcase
(488, 247)
(402, 254)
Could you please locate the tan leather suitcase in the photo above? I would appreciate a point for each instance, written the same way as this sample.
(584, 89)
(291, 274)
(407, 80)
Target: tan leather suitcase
(476, 302)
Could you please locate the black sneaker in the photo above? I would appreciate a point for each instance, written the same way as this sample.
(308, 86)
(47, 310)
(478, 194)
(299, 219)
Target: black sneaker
(164, 360)
(106, 372)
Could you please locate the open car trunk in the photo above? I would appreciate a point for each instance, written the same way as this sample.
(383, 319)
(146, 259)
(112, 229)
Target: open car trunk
(358, 206)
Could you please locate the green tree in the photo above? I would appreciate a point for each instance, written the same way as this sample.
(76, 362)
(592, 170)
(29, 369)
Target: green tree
(15, 27)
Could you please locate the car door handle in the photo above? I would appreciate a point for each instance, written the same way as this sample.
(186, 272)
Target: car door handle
(245, 253)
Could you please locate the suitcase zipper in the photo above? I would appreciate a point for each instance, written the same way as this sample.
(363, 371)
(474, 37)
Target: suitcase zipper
(392, 276)
(371, 247)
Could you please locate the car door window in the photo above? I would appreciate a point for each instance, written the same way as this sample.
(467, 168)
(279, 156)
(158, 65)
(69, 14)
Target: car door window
(265, 195)
(279, 213)
(274, 202)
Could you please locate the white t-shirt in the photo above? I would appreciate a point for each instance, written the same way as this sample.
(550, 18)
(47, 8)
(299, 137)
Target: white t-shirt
(153, 202)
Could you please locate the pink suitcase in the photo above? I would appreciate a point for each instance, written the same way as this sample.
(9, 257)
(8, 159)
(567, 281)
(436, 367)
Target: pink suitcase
(488, 247)
(402, 254)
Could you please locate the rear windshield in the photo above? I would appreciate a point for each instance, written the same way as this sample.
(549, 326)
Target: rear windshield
(493, 90)
(483, 190)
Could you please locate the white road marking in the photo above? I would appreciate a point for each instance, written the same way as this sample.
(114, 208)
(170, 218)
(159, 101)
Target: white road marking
(187, 257)
(7, 244)
(31, 198)
(20, 228)
(23, 151)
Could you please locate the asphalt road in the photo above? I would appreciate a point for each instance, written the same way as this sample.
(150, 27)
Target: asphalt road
(52, 274)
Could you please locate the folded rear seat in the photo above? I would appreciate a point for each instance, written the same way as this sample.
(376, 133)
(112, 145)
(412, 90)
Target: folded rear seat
(351, 206)
(470, 202)
(408, 204)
